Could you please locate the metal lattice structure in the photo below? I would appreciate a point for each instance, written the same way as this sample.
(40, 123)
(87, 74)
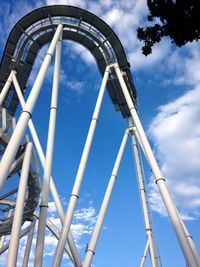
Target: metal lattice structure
(19, 169)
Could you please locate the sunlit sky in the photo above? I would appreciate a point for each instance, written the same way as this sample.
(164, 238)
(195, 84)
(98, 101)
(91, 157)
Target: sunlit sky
(168, 87)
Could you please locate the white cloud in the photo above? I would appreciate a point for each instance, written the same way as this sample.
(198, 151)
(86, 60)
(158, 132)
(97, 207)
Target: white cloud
(78, 3)
(86, 214)
(11, 14)
(82, 226)
(175, 132)
(83, 221)
(82, 52)
(139, 61)
(185, 62)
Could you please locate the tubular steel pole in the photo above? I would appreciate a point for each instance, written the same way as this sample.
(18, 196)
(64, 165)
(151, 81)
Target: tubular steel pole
(143, 198)
(49, 158)
(160, 181)
(17, 221)
(79, 176)
(6, 87)
(28, 245)
(190, 239)
(52, 185)
(92, 245)
(54, 230)
(20, 128)
(71, 242)
(3, 120)
(144, 256)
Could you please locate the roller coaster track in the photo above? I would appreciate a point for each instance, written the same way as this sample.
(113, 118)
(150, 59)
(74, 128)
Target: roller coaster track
(49, 25)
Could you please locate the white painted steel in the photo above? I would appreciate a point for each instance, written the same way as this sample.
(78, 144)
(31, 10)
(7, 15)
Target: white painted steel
(20, 128)
(61, 213)
(187, 234)
(144, 256)
(14, 120)
(19, 208)
(54, 193)
(28, 245)
(142, 193)
(192, 244)
(93, 241)
(80, 173)
(6, 87)
(49, 158)
(3, 118)
(171, 209)
(16, 164)
(56, 232)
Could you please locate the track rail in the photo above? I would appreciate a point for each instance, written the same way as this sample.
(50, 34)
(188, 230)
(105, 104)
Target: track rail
(36, 29)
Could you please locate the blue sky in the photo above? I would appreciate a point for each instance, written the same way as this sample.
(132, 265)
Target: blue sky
(168, 86)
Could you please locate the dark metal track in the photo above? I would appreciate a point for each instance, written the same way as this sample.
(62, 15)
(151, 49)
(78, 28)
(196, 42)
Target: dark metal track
(10, 191)
(36, 29)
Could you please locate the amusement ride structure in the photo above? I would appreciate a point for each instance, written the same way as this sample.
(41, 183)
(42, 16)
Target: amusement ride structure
(20, 154)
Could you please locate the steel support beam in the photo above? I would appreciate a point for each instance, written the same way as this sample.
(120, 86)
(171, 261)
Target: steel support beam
(142, 192)
(53, 190)
(144, 256)
(160, 181)
(19, 208)
(49, 158)
(93, 241)
(78, 180)
(191, 242)
(6, 87)
(22, 123)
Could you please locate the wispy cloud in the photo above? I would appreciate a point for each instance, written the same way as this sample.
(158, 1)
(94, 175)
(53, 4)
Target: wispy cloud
(10, 14)
(175, 132)
(82, 226)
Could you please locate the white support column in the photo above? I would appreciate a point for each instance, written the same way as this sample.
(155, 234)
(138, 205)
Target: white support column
(93, 241)
(52, 185)
(144, 256)
(160, 181)
(71, 242)
(49, 158)
(28, 245)
(78, 180)
(191, 241)
(3, 120)
(6, 87)
(19, 208)
(142, 193)
(20, 128)
(56, 232)
(139, 142)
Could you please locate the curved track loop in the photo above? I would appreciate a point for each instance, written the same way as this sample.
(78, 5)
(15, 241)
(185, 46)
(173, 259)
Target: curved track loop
(36, 29)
